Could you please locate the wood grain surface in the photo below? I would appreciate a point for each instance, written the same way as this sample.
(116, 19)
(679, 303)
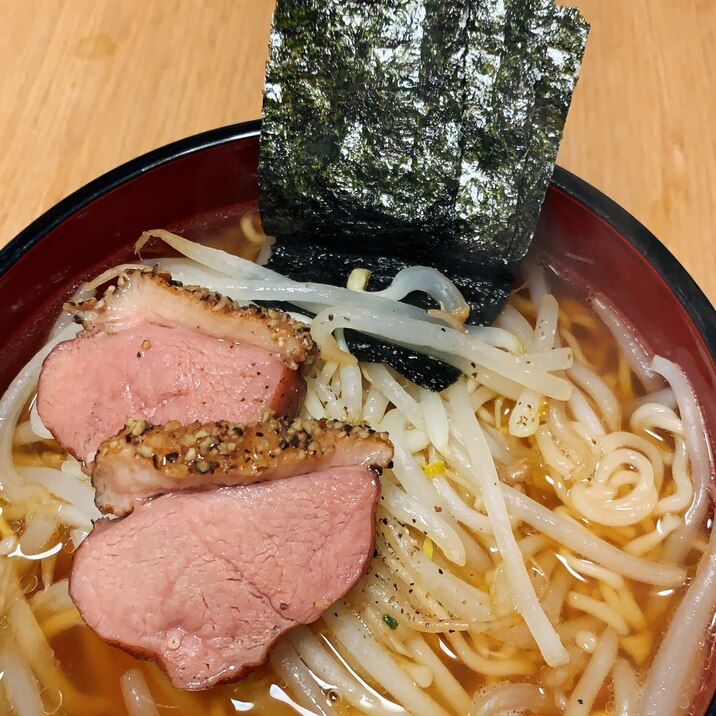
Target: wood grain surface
(88, 84)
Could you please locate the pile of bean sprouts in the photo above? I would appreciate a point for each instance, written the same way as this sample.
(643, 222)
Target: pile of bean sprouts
(532, 527)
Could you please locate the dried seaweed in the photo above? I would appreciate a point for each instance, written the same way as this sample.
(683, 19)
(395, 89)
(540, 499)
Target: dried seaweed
(404, 132)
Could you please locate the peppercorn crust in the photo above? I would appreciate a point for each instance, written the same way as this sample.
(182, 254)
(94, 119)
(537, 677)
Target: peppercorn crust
(145, 460)
(153, 296)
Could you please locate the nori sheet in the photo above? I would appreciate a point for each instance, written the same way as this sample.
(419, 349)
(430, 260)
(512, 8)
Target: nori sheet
(350, 82)
(403, 132)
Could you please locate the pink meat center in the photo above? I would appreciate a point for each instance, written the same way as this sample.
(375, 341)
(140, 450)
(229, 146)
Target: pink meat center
(207, 581)
(156, 373)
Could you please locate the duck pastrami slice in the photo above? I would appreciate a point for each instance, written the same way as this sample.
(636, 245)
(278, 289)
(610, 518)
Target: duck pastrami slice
(206, 582)
(154, 349)
(145, 460)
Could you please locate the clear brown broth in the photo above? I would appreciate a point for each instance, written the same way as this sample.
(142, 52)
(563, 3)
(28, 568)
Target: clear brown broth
(95, 667)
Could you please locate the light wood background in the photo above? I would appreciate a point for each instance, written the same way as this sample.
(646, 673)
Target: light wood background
(88, 84)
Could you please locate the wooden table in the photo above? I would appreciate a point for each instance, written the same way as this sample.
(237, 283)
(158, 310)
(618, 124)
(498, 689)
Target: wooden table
(87, 84)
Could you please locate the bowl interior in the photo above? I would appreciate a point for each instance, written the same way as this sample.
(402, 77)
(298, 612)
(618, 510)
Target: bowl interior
(206, 183)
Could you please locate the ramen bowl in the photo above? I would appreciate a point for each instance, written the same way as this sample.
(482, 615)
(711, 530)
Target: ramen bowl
(200, 185)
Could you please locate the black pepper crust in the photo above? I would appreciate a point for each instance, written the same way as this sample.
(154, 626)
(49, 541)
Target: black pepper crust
(178, 450)
(225, 453)
(292, 338)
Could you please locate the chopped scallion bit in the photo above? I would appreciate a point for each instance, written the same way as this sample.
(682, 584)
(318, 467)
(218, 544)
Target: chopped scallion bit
(434, 469)
(358, 279)
(428, 548)
(390, 621)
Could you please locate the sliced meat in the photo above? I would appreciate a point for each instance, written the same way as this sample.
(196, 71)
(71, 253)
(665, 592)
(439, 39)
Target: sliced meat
(142, 297)
(154, 350)
(91, 385)
(206, 582)
(145, 460)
